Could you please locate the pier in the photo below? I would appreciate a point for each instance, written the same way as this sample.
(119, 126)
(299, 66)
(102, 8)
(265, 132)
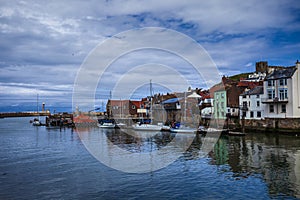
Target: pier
(23, 114)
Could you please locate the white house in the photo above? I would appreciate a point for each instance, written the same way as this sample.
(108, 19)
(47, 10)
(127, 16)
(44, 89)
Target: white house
(282, 93)
(250, 102)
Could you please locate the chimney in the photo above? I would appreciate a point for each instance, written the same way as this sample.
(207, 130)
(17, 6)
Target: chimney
(43, 106)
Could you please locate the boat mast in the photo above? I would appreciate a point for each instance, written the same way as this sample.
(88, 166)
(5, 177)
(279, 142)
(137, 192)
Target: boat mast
(150, 101)
(37, 103)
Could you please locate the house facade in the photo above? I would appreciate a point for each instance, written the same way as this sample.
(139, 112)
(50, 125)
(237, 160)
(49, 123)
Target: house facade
(251, 106)
(220, 104)
(281, 93)
(123, 108)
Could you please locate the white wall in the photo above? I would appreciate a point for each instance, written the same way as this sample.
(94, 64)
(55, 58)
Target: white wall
(253, 106)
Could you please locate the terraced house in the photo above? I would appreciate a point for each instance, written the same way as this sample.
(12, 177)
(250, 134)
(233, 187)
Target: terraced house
(282, 93)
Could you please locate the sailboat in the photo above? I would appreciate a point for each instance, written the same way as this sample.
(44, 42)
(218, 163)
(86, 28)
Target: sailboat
(181, 128)
(36, 121)
(142, 126)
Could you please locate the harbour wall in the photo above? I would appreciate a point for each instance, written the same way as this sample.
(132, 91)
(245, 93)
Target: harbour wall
(274, 124)
(23, 114)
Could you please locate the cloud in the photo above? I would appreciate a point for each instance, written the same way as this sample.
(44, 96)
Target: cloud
(44, 43)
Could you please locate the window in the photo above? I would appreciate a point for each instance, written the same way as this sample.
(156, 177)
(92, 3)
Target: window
(257, 103)
(244, 96)
(251, 114)
(258, 114)
(222, 95)
(233, 110)
(271, 108)
(257, 96)
(249, 103)
(133, 106)
(271, 94)
(244, 104)
(271, 83)
(283, 108)
(283, 81)
(222, 114)
(244, 114)
(222, 104)
(283, 93)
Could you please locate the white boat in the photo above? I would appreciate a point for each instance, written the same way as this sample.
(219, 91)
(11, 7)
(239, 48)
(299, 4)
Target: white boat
(36, 122)
(234, 133)
(146, 127)
(183, 130)
(106, 125)
(165, 128)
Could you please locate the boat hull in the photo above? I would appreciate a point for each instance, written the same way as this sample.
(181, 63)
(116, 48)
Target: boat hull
(146, 127)
(106, 125)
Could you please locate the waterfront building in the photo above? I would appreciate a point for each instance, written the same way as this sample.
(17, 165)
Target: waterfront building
(226, 100)
(220, 104)
(123, 108)
(251, 106)
(282, 93)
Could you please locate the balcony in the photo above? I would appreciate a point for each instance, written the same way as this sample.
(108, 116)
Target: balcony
(275, 100)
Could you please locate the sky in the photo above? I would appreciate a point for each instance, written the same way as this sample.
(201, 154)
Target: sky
(43, 44)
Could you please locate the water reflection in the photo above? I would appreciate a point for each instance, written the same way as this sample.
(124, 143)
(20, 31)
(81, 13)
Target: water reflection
(135, 152)
(275, 157)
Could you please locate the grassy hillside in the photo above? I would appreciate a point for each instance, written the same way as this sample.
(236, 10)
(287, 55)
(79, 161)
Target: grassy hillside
(239, 76)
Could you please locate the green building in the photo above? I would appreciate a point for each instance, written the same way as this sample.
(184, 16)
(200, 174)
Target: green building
(220, 104)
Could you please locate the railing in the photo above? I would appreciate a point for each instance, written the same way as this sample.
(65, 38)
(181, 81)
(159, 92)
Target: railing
(275, 100)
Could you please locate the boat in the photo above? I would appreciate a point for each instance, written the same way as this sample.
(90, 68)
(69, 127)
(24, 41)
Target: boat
(146, 127)
(236, 133)
(183, 130)
(59, 121)
(106, 123)
(121, 126)
(178, 128)
(165, 128)
(217, 130)
(36, 122)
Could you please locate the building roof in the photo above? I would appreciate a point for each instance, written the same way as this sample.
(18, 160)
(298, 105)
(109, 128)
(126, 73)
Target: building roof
(172, 100)
(287, 72)
(254, 91)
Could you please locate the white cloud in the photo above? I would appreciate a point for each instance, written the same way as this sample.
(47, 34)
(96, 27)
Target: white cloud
(53, 38)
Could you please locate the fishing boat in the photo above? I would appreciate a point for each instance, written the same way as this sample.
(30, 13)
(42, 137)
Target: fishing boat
(59, 121)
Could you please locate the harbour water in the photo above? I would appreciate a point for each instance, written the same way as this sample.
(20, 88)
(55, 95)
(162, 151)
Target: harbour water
(40, 163)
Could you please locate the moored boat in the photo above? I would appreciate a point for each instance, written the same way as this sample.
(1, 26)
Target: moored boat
(106, 123)
(235, 133)
(183, 130)
(146, 127)
(36, 122)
